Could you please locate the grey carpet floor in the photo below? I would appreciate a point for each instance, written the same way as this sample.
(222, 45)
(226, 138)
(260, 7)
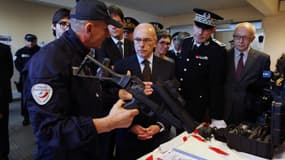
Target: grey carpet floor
(22, 141)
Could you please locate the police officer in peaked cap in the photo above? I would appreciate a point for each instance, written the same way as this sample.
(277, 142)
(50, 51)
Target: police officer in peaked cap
(201, 69)
(130, 25)
(158, 26)
(22, 56)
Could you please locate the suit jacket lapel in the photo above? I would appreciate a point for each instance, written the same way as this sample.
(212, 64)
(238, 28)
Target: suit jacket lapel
(127, 46)
(232, 69)
(155, 69)
(134, 62)
(115, 50)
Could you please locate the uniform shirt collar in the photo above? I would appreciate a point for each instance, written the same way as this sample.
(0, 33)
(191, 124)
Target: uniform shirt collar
(176, 52)
(237, 56)
(141, 59)
(115, 40)
(245, 53)
(199, 44)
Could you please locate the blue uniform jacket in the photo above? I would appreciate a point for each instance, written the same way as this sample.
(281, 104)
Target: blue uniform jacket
(62, 105)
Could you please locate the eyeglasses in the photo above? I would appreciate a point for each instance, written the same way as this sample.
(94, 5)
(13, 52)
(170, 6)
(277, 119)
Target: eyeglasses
(64, 24)
(144, 40)
(238, 37)
(164, 43)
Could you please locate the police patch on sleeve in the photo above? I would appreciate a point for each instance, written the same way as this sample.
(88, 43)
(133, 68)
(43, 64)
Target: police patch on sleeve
(41, 93)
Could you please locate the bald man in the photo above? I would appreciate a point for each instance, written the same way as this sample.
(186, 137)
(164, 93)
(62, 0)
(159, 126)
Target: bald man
(244, 79)
(146, 133)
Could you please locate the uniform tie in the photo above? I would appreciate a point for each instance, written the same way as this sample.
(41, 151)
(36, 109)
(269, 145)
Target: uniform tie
(146, 71)
(239, 67)
(119, 45)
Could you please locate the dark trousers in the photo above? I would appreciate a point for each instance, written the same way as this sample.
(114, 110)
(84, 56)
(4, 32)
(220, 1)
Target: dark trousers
(24, 109)
(4, 130)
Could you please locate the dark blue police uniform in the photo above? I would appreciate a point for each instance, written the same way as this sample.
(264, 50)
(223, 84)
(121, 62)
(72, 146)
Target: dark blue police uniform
(23, 55)
(62, 104)
(201, 72)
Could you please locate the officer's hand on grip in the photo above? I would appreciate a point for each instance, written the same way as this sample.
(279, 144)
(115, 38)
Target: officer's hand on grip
(118, 117)
(121, 117)
(125, 95)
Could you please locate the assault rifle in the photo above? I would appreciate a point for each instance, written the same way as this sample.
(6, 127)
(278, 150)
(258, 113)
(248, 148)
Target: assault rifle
(170, 106)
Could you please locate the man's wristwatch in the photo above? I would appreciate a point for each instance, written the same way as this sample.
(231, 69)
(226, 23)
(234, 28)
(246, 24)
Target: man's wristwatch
(161, 126)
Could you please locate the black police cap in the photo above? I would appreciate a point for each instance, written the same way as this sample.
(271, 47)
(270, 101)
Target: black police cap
(174, 35)
(205, 19)
(131, 23)
(157, 25)
(30, 37)
(93, 10)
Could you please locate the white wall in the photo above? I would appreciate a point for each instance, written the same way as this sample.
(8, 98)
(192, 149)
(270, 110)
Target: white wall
(139, 15)
(18, 17)
(274, 29)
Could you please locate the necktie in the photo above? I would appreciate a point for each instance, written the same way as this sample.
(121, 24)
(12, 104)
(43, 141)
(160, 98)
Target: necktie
(146, 71)
(119, 45)
(240, 66)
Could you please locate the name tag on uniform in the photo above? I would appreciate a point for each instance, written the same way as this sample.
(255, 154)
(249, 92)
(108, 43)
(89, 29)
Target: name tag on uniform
(25, 55)
(201, 57)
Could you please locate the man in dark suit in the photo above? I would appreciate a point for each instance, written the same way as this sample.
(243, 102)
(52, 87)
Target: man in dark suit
(200, 69)
(6, 70)
(244, 78)
(115, 47)
(146, 133)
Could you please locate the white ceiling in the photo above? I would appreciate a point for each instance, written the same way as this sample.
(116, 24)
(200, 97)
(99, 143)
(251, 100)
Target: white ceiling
(160, 7)
(176, 7)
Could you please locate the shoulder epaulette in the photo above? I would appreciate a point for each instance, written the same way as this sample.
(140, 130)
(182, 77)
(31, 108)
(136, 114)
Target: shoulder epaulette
(219, 43)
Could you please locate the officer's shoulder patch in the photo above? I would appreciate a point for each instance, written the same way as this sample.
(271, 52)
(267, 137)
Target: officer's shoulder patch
(41, 93)
(219, 43)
